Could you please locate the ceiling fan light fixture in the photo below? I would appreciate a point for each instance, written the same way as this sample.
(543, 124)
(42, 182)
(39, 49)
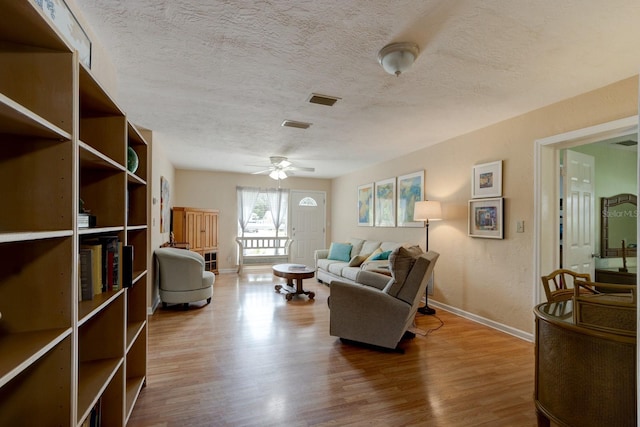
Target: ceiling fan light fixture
(396, 58)
(278, 174)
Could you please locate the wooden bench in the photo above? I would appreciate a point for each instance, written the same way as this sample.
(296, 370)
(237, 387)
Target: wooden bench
(262, 250)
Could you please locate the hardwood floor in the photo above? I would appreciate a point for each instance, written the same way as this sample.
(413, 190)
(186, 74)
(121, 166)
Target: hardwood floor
(253, 359)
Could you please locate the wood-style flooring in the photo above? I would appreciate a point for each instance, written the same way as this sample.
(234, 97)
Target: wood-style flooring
(251, 358)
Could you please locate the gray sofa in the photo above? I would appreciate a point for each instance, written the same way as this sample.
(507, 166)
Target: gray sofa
(328, 270)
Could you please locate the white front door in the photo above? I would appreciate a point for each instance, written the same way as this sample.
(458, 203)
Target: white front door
(307, 225)
(578, 240)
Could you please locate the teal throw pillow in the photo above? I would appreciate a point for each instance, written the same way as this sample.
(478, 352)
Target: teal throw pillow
(340, 252)
(381, 256)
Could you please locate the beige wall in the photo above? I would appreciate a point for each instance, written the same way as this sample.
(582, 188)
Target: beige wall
(483, 277)
(161, 166)
(217, 190)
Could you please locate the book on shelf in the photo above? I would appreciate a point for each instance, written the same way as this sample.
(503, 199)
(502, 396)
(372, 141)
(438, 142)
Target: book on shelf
(126, 266)
(96, 267)
(94, 419)
(110, 260)
(86, 274)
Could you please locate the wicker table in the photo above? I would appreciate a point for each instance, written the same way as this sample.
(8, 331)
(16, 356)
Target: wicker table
(583, 377)
(293, 272)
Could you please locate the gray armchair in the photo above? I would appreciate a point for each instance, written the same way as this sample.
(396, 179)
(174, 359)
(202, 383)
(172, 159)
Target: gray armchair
(182, 278)
(379, 310)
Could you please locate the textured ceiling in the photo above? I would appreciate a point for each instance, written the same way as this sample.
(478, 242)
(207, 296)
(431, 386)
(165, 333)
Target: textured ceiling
(215, 79)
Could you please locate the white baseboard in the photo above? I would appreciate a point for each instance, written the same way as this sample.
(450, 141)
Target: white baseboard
(484, 321)
(154, 305)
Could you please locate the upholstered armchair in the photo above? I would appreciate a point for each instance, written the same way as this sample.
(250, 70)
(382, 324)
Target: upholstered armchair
(380, 309)
(182, 278)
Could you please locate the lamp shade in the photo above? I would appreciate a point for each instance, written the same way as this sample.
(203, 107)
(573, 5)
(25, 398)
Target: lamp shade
(396, 58)
(429, 210)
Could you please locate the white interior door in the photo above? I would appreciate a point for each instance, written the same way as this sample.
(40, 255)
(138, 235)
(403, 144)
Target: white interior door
(578, 240)
(307, 225)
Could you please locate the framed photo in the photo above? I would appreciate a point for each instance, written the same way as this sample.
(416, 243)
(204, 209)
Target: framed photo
(62, 17)
(486, 218)
(385, 203)
(165, 209)
(486, 180)
(365, 205)
(410, 191)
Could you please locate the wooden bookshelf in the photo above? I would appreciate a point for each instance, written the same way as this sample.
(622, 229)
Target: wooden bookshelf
(65, 139)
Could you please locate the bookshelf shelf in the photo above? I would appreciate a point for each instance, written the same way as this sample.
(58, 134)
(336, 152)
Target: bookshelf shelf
(65, 140)
(86, 309)
(134, 387)
(18, 120)
(28, 236)
(93, 378)
(23, 349)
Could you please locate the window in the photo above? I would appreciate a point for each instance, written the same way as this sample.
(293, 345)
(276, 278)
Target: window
(262, 211)
(308, 201)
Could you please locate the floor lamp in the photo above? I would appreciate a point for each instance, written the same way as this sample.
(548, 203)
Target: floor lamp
(429, 210)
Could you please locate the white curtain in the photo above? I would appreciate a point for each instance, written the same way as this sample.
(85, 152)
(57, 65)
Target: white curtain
(247, 197)
(278, 203)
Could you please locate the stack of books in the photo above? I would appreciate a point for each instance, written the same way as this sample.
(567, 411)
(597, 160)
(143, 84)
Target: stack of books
(105, 265)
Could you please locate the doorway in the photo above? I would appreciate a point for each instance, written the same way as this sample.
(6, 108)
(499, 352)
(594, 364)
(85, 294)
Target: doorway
(307, 225)
(547, 189)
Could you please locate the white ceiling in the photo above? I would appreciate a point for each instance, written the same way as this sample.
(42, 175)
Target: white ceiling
(215, 79)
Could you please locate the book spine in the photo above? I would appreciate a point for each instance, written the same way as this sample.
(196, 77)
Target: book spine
(127, 266)
(86, 274)
(110, 263)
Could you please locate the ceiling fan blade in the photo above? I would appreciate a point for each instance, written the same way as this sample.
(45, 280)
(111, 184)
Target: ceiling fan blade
(300, 168)
(262, 171)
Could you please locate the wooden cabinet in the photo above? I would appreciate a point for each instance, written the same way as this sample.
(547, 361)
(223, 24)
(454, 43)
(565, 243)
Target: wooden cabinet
(199, 228)
(613, 275)
(64, 139)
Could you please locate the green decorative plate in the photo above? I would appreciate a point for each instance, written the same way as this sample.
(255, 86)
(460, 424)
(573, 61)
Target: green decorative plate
(132, 160)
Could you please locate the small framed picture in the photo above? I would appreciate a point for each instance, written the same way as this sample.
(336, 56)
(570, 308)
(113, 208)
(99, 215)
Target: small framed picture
(410, 190)
(385, 203)
(486, 180)
(365, 205)
(486, 218)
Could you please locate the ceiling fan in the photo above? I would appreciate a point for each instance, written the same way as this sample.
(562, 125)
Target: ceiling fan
(280, 168)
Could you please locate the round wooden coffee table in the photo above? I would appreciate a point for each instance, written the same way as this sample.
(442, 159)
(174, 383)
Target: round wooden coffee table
(293, 272)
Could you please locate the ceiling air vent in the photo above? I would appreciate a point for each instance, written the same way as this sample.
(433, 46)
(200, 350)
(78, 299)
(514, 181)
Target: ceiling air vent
(327, 100)
(627, 143)
(294, 124)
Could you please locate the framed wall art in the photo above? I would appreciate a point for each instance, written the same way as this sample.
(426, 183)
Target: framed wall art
(62, 17)
(486, 218)
(165, 208)
(410, 190)
(385, 203)
(365, 205)
(486, 180)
